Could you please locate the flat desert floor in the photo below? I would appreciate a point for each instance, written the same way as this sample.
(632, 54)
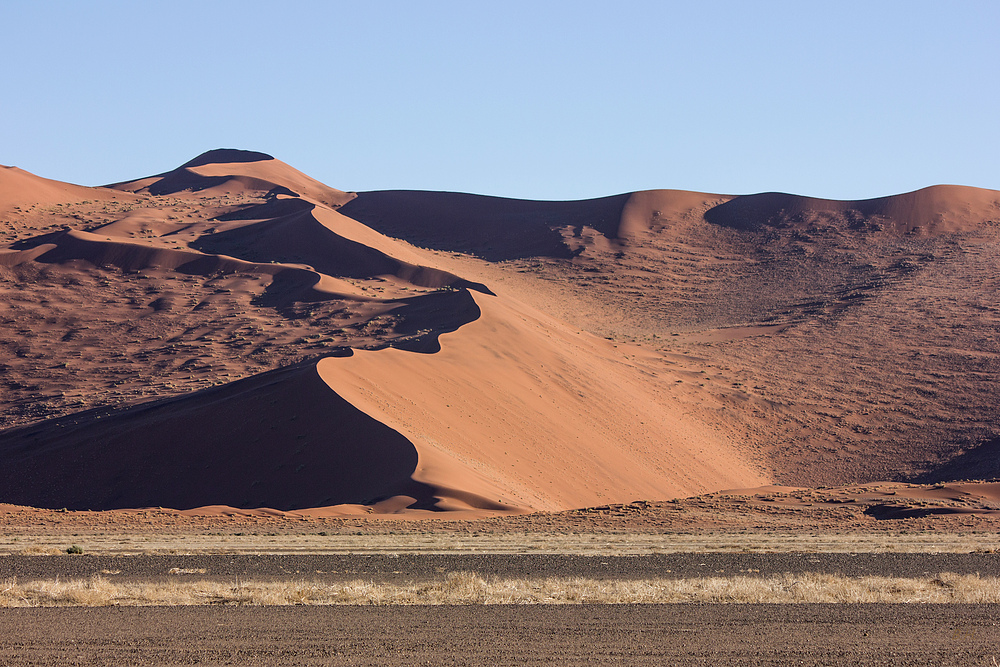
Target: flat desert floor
(766, 537)
(875, 635)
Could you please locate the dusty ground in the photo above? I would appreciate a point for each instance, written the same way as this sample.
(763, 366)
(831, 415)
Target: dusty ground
(403, 566)
(855, 531)
(884, 512)
(506, 635)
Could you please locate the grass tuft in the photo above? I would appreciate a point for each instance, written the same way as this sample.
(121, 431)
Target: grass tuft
(458, 588)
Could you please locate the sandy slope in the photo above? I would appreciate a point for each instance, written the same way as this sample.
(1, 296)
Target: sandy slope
(518, 409)
(21, 189)
(233, 332)
(844, 349)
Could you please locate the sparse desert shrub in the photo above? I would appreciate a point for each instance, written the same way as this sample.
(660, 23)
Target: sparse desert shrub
(471, 588)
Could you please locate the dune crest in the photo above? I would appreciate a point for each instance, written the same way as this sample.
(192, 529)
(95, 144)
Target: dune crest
(931, 211)
(229, 170)
(19, 188)
(519, 408)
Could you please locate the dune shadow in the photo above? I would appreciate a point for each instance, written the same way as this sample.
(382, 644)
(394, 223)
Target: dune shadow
(980, 462)
(493, 228)
(890, 512)
(289, 233)
(426, 317)
(282, 439)
(272, 207)
(41, 239)
(749, 212)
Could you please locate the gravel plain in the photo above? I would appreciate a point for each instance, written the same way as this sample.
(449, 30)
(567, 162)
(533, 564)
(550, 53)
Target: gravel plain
(505, 635)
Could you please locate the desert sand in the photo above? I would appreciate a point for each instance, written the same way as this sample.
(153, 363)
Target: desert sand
(233, 337)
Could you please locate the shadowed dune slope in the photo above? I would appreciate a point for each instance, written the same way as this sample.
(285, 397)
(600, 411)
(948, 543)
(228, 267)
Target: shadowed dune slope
(493, 228)
(282, 440)
(226, 156)
(132, 256)
(295, 233)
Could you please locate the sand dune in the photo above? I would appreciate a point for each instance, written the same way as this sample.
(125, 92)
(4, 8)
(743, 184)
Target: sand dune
(305, 236)
(519, 407)
(930, 211)
(653, 210)
(231, 171)
(235, 333)
(22, 189)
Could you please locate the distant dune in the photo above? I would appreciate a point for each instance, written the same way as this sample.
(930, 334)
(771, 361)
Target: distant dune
(21, 189)
(231, 171)
(236, 333)
(935, 210)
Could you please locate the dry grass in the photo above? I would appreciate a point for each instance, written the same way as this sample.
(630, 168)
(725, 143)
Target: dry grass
(101, 543)
(470, 588)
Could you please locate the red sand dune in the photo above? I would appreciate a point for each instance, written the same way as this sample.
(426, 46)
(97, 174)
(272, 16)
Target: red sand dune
(19, 188)
(930, 211)
(297, 235)
(230, 170)
(412, 351)
(519, 407)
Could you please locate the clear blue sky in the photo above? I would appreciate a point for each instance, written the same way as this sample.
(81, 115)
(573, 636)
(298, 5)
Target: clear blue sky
(543, 100)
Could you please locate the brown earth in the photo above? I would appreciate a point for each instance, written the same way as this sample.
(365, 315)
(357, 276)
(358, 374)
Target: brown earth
(802, 634)
(234, 333)
(887, 509)
(402, 569)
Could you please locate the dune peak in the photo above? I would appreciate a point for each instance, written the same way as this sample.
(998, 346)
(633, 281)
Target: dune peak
(226, 156)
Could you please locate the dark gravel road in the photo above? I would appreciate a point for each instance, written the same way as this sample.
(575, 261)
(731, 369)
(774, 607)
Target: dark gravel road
(416, 567)
(505, 635)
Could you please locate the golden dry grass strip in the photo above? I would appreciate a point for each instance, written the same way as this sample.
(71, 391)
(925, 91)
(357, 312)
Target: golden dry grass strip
(53, 544)
(470, 588)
